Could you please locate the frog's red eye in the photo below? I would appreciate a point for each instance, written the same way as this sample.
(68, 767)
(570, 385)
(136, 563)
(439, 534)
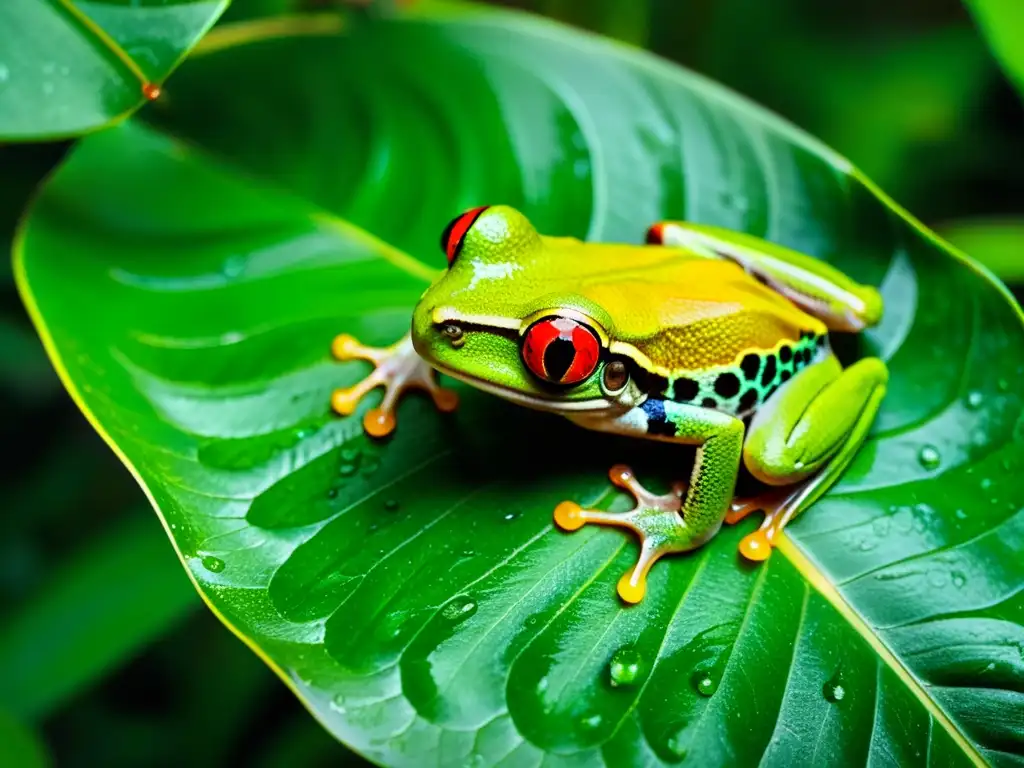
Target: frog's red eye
(561, 350)
(455, 232)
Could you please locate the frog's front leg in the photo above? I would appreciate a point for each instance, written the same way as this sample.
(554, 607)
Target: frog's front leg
(809, 431)
(398, 369)
(688, 516)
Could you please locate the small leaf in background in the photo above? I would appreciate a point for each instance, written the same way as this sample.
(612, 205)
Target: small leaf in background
(67, 67)
(1002, 23)
(996, 242)
(206, 363)
(20, 746)
(121, 590)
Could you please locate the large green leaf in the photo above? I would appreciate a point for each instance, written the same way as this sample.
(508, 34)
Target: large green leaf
(415, 593)
(70, 66)
(1002, 23)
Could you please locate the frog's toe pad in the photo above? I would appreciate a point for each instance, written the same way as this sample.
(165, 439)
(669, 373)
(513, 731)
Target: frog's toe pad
(779, 507)
(396, 368)
(654, 519)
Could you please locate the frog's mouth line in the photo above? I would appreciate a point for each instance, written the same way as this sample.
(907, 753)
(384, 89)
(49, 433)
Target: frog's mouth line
(537, 403)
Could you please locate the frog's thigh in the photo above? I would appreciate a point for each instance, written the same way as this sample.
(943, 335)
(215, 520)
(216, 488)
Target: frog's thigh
(803, 427)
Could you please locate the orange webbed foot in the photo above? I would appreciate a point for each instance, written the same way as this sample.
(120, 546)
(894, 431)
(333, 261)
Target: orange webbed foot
(778, 505)
(396, 368)
(654, 519)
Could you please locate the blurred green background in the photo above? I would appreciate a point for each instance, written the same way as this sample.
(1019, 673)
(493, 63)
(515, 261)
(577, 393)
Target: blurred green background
(907, 89)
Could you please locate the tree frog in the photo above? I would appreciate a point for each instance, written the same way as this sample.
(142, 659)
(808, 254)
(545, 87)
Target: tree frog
(700, 335)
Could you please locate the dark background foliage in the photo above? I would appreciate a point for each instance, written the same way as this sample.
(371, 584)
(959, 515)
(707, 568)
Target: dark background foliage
(907, 90)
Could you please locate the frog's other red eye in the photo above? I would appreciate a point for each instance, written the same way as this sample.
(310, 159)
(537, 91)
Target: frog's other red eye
(561, 350)
(455, 232)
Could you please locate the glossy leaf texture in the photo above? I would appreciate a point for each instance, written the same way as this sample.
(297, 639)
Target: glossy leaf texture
(71, 66)
(1002, 24)
(414, 593)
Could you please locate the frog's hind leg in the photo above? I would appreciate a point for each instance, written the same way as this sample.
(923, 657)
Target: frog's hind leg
(396, 368)
(807, 434)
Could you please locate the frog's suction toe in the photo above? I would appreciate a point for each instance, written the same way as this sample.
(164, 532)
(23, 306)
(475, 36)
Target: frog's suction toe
(396, 368)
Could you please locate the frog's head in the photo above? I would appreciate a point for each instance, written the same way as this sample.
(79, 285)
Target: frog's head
(498, 320)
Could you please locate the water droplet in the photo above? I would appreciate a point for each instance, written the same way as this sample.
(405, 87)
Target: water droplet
(1003, 385)
(959, 579)
(986, 483)
(880, 526)
(929, 457)
(391, 505)
(624, 668)
(866, 545)
(705, 683)
(233, 266)
(974, 400)
(370, 466)
(675, 746)
(834, 691)
(332, 493)
(469, 553)
(347, 470)
(212, 564)
(542, 684)
(511, 516)
(350, 455)
(960, 514)
(591, 722)
(338, 704)
(460, 609)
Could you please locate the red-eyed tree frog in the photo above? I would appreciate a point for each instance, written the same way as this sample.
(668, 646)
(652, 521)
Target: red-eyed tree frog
(701, 336)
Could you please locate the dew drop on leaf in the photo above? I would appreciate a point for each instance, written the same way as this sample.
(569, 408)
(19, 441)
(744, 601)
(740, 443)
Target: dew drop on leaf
(460, 609)
(959, 579)
(986, 483)
(338, 704)
(510, 516)
(624, 668)
(233, 266)
(705, 682)
(370, 466)
(350, 455)
(332, 493)
(974, 400)
(590, 722)
(347, 470)
(834, 690)
(391, 505)
(929, 457)
(675, 746)
(212, 564)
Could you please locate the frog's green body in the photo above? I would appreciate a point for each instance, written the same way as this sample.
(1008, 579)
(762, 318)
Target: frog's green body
(702, 336)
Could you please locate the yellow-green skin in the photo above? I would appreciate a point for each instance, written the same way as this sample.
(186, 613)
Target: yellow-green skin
(724, 336)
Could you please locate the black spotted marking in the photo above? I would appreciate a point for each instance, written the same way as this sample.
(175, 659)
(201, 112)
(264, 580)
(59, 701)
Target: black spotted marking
(768, 375)
(685, 390)
(821, 340)
(657, 421)
(751, 366)
(805, 335)
(785, 353)
(656, 384)
(785, 376)
(709, 402)
(558, 357)
(749, 399)
(727, 385)
(807, 355)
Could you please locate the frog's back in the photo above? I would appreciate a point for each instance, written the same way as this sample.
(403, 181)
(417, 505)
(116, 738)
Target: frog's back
(709, 332)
